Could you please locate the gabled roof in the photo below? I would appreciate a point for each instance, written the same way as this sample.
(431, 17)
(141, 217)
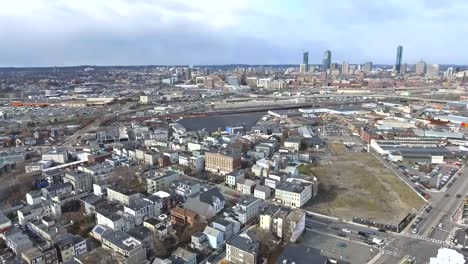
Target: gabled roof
(209, 196)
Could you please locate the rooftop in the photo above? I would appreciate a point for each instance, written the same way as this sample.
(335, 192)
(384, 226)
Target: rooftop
(209, 196)
(291, 187)
(122, 240)
(271, 210)
(244, 244)
(139, 204)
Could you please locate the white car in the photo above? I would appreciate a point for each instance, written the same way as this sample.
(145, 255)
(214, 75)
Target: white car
(414, 231)
(440, 225)
(346, 230)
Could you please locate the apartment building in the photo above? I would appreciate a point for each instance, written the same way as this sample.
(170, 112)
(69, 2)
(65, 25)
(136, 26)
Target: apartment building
(245, 210)
(293, 193)
(222, 163)
(234, 177)
(246, 186)
(242, 250)
(125, 245)
(79, 180)
(122, 195)
(45, 254)
(160, 180)
(45, 208)
(142, 209)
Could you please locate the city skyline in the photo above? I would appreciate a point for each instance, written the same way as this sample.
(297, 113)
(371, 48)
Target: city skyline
(122, 32)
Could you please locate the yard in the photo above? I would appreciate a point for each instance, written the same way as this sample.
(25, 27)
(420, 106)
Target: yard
(355, 184)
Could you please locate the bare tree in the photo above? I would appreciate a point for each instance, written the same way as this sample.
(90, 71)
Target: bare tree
(159, 248)
(266, 240)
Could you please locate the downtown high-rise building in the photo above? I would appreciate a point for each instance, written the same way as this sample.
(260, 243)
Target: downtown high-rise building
(399, 57)
(404, 69)
(420, 68)
(432, 71)
(345, 68)
(305, 60)
(326, 61)
(367, 67)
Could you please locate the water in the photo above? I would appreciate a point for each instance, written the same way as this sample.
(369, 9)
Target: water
(212, 123)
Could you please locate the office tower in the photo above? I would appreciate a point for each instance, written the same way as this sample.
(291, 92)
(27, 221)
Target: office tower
(326, 61)
(302, 68)
(188, 73)
(334, 66)
(404, 69)
(420, 67)
(432, 71)
(367, 67)
(345, 68)
(399, 56)
(305, 60)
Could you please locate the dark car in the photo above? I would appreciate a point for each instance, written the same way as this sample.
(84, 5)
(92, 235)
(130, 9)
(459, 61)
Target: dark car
(341, 244)
(363, 234)
(459, 195)
(382, 230)
(342, 234)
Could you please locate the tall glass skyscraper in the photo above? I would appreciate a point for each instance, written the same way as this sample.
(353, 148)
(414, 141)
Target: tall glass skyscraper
(399, 56)
(326, 61)
(305, 60)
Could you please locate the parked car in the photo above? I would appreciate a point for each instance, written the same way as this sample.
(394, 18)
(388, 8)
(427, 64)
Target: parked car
(363, 234)
(440, 225)
(342, 244)
(346, 230)
(414, 231)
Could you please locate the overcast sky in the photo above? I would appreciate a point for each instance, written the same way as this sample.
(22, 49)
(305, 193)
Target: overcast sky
(138, 32)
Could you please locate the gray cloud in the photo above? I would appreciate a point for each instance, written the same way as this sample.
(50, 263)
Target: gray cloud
(111, 32)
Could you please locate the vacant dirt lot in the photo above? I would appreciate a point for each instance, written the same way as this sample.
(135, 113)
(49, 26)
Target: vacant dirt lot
(355, 184)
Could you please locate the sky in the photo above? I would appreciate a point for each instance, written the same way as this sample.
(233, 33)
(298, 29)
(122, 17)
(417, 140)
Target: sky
(201, 32)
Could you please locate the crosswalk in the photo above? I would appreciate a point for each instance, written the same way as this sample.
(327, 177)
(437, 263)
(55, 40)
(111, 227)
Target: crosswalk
(391, 253)
(420, 237)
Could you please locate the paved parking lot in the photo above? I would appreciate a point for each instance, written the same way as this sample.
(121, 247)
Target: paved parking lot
(352, 252)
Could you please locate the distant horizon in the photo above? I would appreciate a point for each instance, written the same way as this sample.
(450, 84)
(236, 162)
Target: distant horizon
(211, 65)
(44, 33)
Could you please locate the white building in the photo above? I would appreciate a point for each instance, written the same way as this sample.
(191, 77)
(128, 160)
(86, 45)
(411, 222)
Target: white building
(245, 210)
(234, 177)
(142, 209)
(293, 194)
(215, 237)
(46, 208)
(60, 157)
(122, 195)
(160, 180)
(432, 71)
(262, 192)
